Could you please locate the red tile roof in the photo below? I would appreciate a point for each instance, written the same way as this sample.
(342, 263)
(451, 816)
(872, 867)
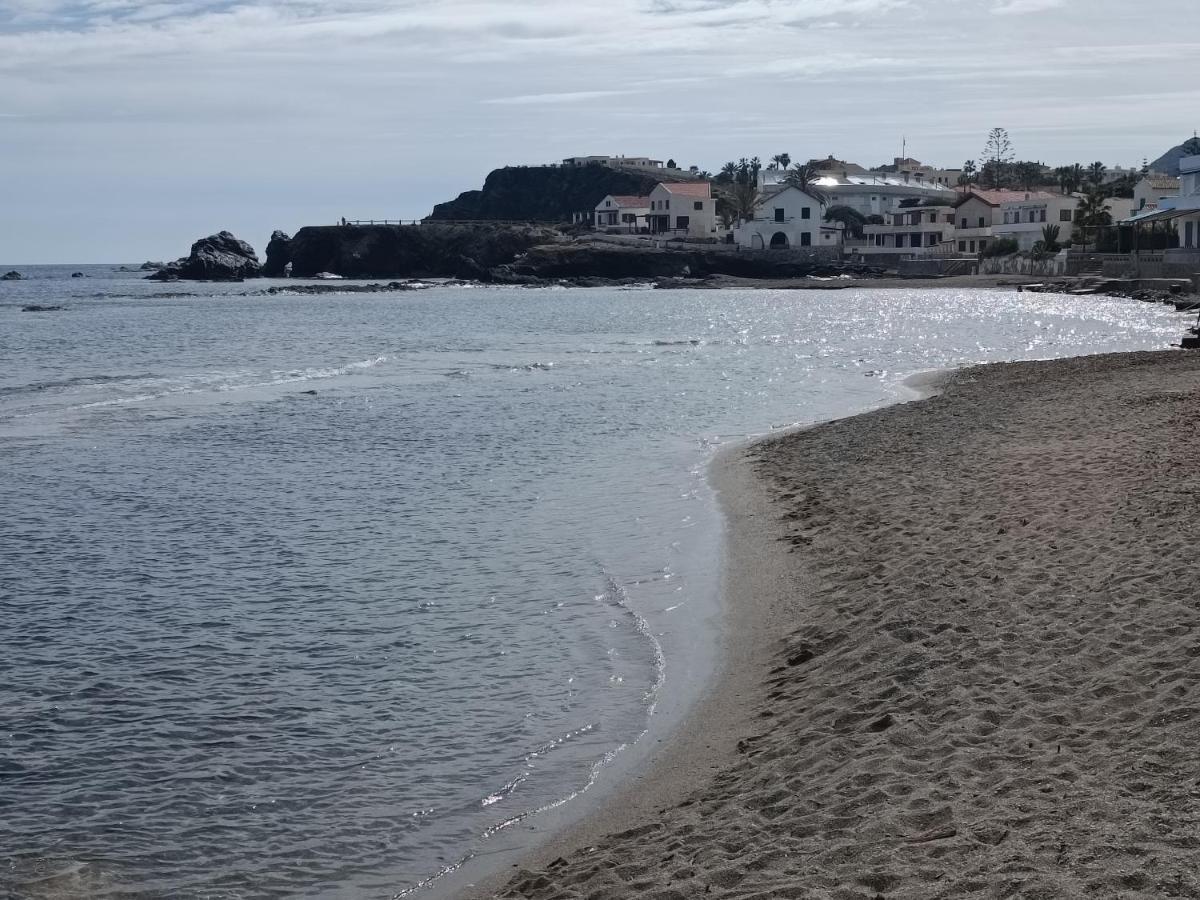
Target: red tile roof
(626, 200)
(700, 189)
(995, 198)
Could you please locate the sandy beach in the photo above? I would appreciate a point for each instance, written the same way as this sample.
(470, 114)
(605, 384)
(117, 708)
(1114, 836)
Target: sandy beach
(962, 659)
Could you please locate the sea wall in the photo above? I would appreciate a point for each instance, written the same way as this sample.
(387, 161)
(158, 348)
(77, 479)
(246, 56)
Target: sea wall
(1023, 265)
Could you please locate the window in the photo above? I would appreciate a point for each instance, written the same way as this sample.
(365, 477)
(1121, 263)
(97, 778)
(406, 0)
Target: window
(933, 218)
(899, 240)
(949, 218)
(608, 203)
(915, 239)
(698, 206)
(1064, 215)
(1032, 216)
(806, 213)
(778, 214)
(982, 222)
(964, 222)
(806, 239)
(935, 238)
(962, 246)
(1042, 215)
(972, 246)
(682, 222)
(668, 203)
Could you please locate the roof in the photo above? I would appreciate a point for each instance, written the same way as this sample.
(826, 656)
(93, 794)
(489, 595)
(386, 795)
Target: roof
(1163, 182)
(627, 200)
(1189, 206)
(700, 189)
(787, 186)
(995, 198)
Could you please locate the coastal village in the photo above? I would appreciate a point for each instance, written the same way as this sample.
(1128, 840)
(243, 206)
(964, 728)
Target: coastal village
(1003, 217)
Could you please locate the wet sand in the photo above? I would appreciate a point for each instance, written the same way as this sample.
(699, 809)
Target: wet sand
(962, 659)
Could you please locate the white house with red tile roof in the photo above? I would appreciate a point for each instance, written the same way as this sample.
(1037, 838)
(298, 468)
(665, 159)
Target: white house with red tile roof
(625, 212)
(685, 208)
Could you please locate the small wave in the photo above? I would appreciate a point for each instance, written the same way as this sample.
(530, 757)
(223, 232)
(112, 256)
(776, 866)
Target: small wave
(79, 381)
(314, 374)
(684, 343)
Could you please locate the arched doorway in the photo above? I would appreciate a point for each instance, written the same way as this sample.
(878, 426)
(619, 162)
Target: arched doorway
(756, 242)
(779, 241)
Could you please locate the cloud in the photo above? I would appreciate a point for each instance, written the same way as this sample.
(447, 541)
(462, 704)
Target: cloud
(563, 97)
(1020, 7)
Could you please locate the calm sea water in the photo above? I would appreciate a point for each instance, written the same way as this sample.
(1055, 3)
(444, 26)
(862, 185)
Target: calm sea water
(261, 642)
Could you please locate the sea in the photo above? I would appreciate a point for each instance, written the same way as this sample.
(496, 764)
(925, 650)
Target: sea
(347, 595)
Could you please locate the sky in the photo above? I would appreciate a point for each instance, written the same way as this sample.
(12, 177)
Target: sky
(128, 129)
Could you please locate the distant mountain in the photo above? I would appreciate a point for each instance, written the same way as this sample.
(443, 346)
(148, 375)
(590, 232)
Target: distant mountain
(543, 193)
(1168, 163)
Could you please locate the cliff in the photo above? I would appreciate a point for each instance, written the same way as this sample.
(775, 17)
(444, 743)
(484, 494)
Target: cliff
(543, 193)
(396, 251)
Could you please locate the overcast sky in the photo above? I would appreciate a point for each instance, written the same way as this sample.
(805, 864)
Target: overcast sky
(128, 128)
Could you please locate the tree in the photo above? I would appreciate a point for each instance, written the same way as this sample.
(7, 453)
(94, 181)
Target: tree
(804, 177)
(851, 218)
(1092, 213)
(1095, 173)
(1050, 235)
(742, 199)
(728, 172)
(970, 174)
(1070, 178)
(781, 160)
(670, 164)
(997, 155)
(1028, 174)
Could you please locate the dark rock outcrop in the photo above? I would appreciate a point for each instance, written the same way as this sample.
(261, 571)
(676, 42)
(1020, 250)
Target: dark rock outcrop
(33, 307)
(77, 275)
(149, 266)
(588, 261)
(11, 276)
(218, 257)
(279, 254)
(542, 193)
(398, 251)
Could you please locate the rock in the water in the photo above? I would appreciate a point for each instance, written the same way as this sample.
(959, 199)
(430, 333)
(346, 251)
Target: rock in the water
(149, 266)
(279, 255)
(36, 308)
(218, 257)
(76, 274)
(11, 276)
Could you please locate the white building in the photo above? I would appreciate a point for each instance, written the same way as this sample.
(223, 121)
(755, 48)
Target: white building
(788, 217)
(627, 213)
(911, 229)
(1152, 190)
(870, 195)
(684, 208)
(1183, 212)
(1023, 218)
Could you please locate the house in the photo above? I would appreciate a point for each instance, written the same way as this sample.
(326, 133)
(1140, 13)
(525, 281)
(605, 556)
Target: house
(628, 213)
(1182, 214)
(614, 162)
(1152, 189)
(785, 218)
(870, 195)
(684, 209)
(1023, 218)
(913, 229)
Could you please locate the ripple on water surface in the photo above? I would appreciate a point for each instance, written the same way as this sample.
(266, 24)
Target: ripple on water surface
(265, 642)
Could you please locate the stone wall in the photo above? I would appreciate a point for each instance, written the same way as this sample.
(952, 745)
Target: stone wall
(1023, 265)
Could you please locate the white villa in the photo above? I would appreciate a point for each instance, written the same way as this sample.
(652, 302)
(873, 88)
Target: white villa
(684, 208)
(786, 218)
(1152, 190)
(627, 213)
(913, 229)
(1025, 217)
(871, 195)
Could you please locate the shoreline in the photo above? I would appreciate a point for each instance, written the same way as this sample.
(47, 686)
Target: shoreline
(841, 750)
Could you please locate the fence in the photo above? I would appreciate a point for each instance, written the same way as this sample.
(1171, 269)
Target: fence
(510, 222)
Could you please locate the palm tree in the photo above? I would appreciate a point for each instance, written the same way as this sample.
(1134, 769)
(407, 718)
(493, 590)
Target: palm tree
(742, 199)
(1050, 235)
(781, 160)
(970, 173)
(851, 218)
(803, 176)
(1028, 174)
(1092, 214)
(727, 173)
(1096, 172)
